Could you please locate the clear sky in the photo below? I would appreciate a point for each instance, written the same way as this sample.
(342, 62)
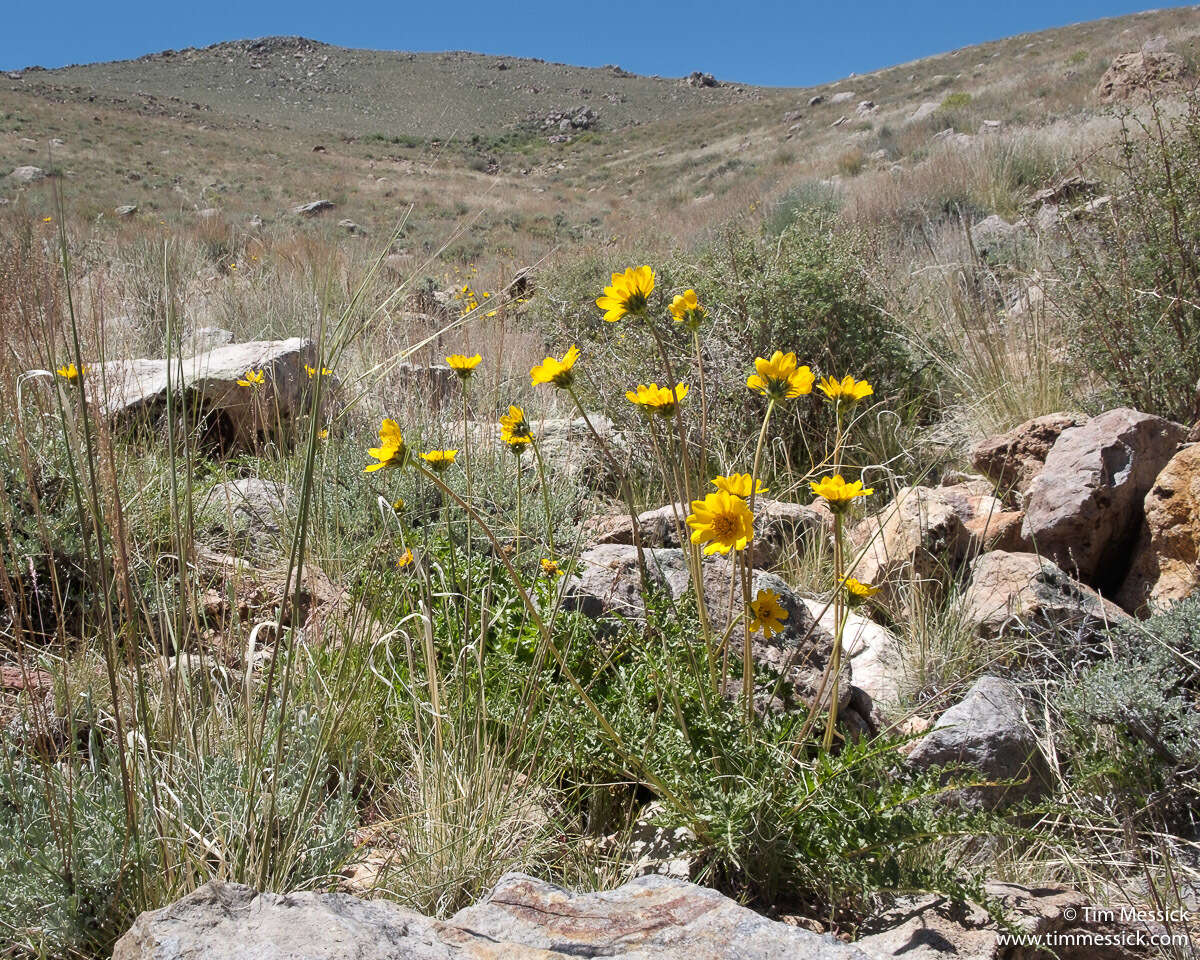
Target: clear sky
(755, 41)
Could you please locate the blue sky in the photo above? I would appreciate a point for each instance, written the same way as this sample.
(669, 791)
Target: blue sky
(755, 41)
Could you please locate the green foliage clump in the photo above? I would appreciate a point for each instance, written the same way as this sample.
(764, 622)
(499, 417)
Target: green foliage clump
(1131, 278)
(955, 101)
(1133, 723)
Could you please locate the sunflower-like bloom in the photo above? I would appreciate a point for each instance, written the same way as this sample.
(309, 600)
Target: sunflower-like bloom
(323, 434)
(253, 378)
(398, 505)
(857, 591)
(838, 493)
(312, 371)
(551, 568)
(779, 378)
(439, 460)
(738, 484)
(722, 521)
(391, 451)
(71, 372)
(656, 399)
(686, 309)
(463, 365)
(847, 391)
(628, 294)
(555, 371)
(769, 613)
(514, 428)
(406, 558)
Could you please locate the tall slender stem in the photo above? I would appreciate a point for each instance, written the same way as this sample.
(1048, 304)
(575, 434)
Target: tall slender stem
(839, 621)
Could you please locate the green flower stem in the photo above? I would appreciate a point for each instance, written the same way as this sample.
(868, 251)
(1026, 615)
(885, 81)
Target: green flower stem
(839, 619)
(541, 469)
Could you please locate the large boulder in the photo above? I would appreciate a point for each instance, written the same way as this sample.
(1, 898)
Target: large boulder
(1024, 594)
(1166, 562)
(1084, 509)
(876, 665)
(230, 417)
(521, 919)
(928, 532)
(1140, 74)
(986, 734)
(779, 527)
(1012, 460)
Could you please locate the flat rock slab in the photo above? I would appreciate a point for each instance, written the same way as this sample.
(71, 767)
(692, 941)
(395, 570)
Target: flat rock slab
(133, 391)
(521, 919)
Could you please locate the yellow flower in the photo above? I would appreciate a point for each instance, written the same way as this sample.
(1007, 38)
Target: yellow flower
(323, 434)
(722, 521)
(439, 460)
(464, 366)
(857, 591)
(628, 294)
(769, 613)
(47, 219)
(557, 372)
(838, 493)
(551, 568)
(70, 372)
(514, 430)
(406, 558)
(779, 378)
(738, 484)
(312, 371)
(847, 391)
(686, 309)
(656, 399)
(391, 451)
(253, 378)
(398, 505)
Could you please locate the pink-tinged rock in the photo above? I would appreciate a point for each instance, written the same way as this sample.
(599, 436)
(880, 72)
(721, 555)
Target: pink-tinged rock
(1011, 460)
(1084, 509)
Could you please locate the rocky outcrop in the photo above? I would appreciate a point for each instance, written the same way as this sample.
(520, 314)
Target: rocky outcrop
(247, 516)
(987, 735)
(1022, 594)
(608, 582)
(1166, 562)
(1012, 460)
(229, 416)
(521, 919)
(1084, 509)
(27, 174)
(928, 532)
(1140, 74)
(930, 928)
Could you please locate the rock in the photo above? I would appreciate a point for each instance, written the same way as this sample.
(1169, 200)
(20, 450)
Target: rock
(778, 528)
(208, 213)
(926, 109)
(874, 653)
(844, 97)
(816, 100)
(248, 515)
(800, 652)
(839, 121)
(698, 79)
(930, 927)
(1024, 594)
(1166, 561)
(986, 734)
(1084, 509)
(607, 582)
(351, 227)
(313, 208)
(668, 851)
(206, 338)
(1011, 460)
(928, 532)
(994, 233)
(1065, 190)
(1139, 74)
(990, 126)
(27, 174)
(865, 108)
(134, 392)
(520, 919)
(126, 210)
